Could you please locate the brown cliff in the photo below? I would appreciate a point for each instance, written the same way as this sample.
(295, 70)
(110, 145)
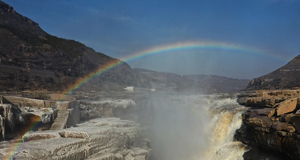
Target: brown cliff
(271, 124)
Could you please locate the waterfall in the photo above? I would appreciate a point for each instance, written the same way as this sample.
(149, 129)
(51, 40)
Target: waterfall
(225, 119)
(195, 127)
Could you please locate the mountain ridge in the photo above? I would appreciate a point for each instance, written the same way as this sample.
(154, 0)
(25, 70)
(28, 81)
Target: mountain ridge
(198, 83)
(285, 77)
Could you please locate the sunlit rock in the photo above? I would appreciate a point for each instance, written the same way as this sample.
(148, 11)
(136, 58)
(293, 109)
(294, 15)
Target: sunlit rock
(278, 133)
(286, 106)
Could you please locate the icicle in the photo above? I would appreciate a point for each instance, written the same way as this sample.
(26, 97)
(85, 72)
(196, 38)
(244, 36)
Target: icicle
(9, 116)
(2, 126)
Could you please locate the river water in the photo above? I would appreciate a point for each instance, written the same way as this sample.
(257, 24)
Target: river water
(195, 127)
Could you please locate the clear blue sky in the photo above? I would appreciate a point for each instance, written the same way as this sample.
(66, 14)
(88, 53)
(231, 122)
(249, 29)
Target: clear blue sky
(120, 28)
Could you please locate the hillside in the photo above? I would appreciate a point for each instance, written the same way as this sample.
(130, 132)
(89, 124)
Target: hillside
(198, 83)
(285, 77)
(34, 59)
(31, 59)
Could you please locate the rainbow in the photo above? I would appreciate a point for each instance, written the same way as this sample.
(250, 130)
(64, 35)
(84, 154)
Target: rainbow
(15, 145)
(160, 50)
(142, 54)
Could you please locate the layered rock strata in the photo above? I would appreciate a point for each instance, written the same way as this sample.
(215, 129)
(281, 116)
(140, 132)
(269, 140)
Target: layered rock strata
(122, 108)
(101, 139)
(55, 132)
(272, 122)
(19, 114)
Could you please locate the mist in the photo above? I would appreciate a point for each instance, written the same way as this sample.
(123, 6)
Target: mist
(193, 127)
(178, 127)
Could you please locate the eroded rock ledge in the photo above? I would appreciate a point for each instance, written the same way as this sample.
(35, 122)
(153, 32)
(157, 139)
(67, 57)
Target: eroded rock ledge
(272, 123)
(101, 139)
(63, 128)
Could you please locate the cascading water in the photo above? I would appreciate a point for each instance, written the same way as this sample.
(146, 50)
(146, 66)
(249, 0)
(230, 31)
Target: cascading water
(225, 115)
(195, 127)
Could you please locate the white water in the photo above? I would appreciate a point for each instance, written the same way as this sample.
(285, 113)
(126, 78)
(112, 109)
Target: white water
(195, 127)
(225, 119)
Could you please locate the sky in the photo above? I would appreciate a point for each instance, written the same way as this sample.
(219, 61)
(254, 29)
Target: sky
(249, 38)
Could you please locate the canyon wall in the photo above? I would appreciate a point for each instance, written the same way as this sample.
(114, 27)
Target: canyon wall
(272, 124)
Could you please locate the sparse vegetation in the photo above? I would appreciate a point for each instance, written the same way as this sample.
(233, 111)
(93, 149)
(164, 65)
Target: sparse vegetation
(72, 48)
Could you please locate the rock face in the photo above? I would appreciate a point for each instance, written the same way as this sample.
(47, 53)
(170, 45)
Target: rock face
(271, 123)
(19, 115)
(285, 77)
(102, 139)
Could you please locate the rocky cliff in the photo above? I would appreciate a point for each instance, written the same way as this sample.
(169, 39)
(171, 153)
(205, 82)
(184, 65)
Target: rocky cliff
(271, 126)
(285, 77)
(30, 58)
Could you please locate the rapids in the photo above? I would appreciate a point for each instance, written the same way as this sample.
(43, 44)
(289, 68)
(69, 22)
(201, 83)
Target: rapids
(195, 127)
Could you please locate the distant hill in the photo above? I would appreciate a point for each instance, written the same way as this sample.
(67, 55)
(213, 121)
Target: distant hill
(285, 77)
(198, 83)
(34, 59)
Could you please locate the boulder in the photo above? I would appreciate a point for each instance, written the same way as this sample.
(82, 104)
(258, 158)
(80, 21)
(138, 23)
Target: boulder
(295, 121)
(286, 117)
(40, 135)
(281, 126)
(266, 112)
(286, 106)
(259, 121)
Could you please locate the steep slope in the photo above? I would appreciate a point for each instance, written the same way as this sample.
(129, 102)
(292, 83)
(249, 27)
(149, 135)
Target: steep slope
(30, 58)
(198, 83)
(285, 77)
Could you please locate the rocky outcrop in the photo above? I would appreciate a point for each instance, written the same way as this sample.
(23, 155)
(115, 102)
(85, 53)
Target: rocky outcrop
(272, 122)
(102, 139)
(54, 133)
(285, 77)
(122, 108)
(19, 114)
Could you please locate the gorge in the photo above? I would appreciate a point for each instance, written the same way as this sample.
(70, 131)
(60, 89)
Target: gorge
(56, 104)
(156, 126)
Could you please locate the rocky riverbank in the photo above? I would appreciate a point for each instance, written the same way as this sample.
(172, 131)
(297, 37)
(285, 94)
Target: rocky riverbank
(62, 127)
(271, 126)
